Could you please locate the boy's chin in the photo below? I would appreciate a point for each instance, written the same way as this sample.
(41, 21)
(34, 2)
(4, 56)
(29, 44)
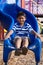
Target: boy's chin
(22, 22)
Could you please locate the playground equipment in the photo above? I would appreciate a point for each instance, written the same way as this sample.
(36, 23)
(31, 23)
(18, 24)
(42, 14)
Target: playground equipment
(11, 10)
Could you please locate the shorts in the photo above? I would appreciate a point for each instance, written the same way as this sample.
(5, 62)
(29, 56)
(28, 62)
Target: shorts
(17, 37)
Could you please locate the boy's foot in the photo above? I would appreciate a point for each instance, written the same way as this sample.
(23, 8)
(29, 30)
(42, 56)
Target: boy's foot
(24, 50)
(18, 52)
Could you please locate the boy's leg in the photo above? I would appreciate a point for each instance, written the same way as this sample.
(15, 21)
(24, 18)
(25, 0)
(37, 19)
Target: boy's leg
(18, 41)
(25, 42)
(25, 45)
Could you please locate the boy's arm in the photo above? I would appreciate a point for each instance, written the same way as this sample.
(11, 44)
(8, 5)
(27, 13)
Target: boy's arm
(35, 33)
(8, 35)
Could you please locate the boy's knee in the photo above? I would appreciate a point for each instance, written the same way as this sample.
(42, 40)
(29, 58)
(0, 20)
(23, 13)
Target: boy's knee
(18, 38)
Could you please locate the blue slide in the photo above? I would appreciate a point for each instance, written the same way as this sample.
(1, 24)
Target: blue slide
(8, 18)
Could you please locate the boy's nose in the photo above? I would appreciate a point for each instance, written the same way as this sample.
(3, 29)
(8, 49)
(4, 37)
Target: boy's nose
(20, 19)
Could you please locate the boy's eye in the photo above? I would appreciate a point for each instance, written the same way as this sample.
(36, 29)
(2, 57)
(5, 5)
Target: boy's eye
(20, 18)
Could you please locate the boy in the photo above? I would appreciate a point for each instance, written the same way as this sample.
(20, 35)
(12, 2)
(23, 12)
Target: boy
(22, 30)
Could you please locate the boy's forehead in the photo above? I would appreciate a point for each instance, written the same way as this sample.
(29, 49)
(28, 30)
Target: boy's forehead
(21, 16)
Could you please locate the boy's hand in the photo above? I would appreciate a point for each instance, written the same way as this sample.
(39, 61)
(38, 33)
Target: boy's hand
(38, 35)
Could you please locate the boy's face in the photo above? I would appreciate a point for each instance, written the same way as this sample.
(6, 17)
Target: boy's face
(21, 19)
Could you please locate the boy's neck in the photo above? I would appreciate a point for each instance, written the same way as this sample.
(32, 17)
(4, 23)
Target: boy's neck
(21, 24)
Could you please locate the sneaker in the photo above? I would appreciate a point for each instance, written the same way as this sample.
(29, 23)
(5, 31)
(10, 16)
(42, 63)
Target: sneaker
(24, 50)
(18, 52)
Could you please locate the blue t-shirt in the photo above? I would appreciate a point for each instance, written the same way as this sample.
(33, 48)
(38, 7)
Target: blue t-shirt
(22, 30)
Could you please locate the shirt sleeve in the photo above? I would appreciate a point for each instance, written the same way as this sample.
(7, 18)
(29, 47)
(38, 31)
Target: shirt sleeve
(14, 28)
(30, 28)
